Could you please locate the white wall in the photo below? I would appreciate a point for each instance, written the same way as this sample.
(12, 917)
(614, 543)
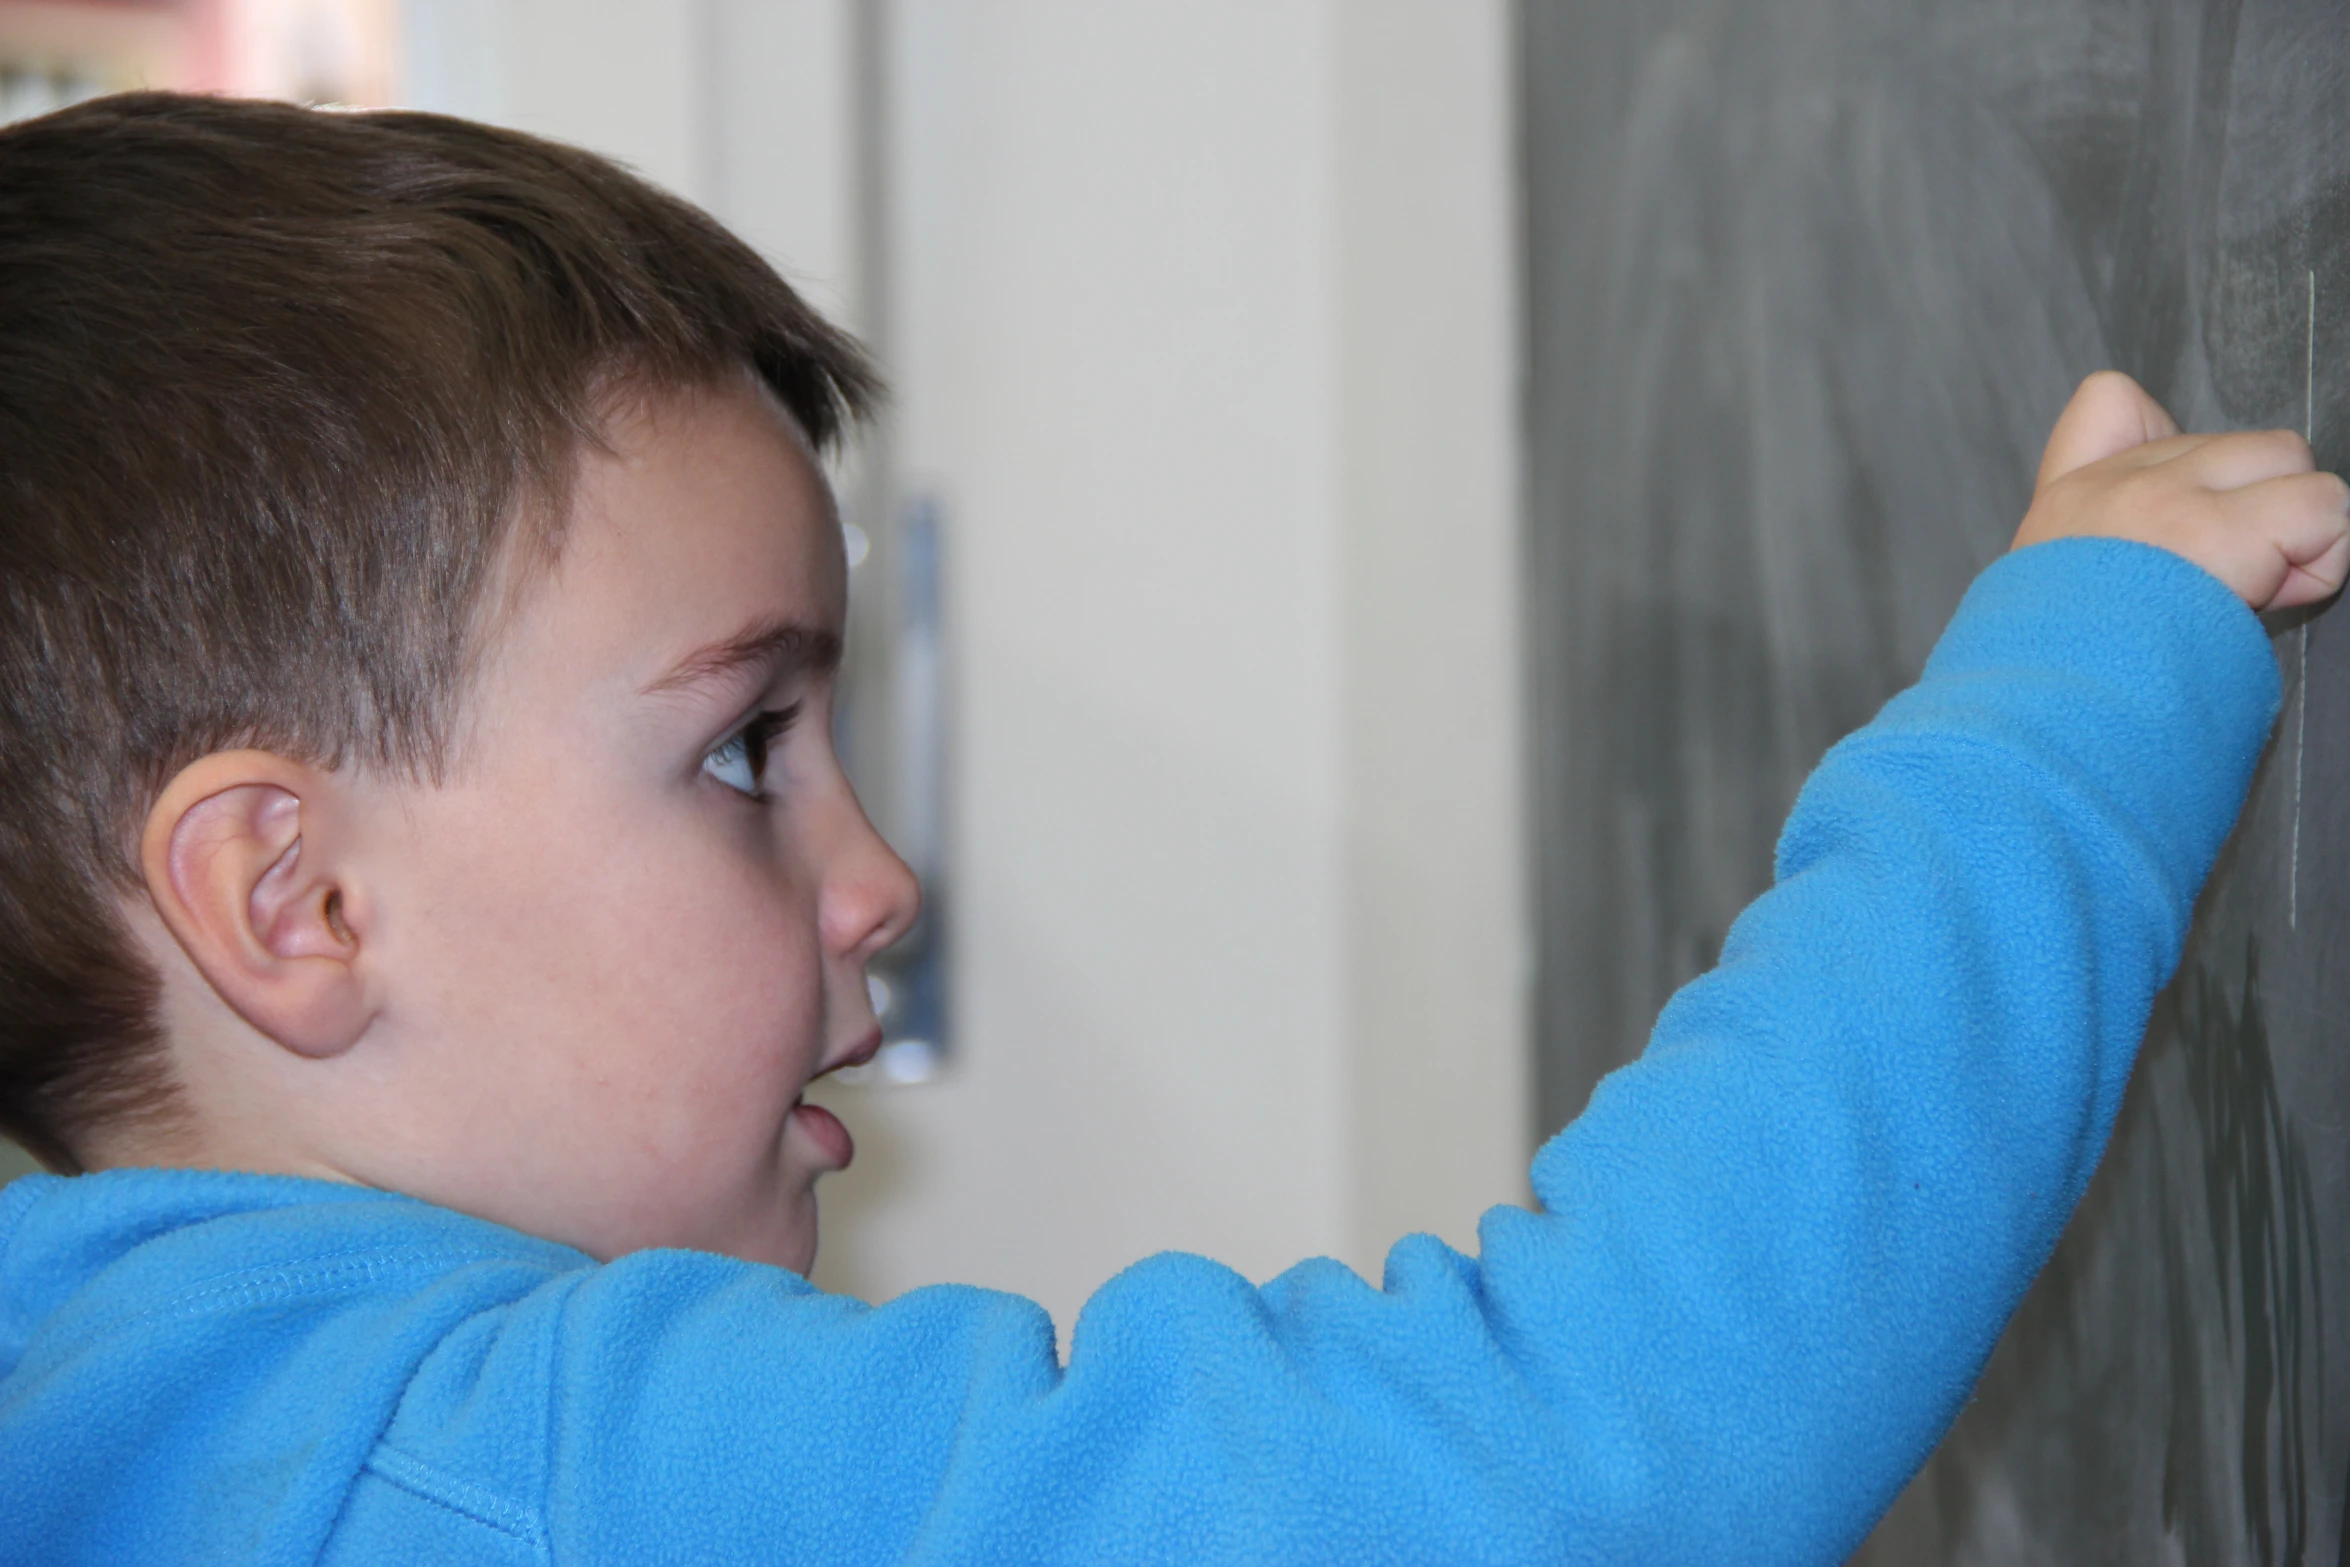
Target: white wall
(1437, 879)
(741, 105)
(1115, 351)
(1204, 333)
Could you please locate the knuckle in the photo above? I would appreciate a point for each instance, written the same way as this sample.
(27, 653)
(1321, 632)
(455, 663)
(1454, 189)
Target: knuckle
(2244, 453)
(2304, 494)
(2287, 449)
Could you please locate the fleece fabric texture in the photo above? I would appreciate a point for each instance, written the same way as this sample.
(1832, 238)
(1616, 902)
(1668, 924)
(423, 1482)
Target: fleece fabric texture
(1770, 1259)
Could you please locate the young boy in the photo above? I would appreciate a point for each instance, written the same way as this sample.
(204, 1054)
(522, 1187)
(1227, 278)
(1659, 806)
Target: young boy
(426, 888)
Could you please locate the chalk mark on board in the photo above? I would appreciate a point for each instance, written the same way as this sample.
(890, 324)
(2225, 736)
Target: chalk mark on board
(2301, 680)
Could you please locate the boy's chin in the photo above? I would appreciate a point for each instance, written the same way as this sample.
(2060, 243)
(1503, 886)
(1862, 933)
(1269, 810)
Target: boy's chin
(784, 1238)
(796, 1250)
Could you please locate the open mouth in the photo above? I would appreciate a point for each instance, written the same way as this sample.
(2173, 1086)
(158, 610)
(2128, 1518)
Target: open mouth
(831, 1138)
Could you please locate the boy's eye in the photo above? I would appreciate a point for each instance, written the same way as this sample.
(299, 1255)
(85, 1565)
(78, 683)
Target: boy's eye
(740, 760)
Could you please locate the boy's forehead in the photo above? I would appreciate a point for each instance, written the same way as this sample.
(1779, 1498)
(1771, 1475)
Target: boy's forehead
(702, 522)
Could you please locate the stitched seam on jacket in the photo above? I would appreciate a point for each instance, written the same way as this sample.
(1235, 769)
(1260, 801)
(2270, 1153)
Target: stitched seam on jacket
(258, 1286)
(13, 1204)
(551, 1353)
(450, 1493)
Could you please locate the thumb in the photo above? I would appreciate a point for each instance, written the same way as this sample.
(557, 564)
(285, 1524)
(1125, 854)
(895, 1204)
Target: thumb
(2108, 415)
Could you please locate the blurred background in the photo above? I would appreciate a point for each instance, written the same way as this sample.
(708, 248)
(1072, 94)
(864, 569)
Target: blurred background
(1186, 660)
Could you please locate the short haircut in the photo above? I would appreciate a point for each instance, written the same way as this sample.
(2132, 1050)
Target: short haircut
(280, 392)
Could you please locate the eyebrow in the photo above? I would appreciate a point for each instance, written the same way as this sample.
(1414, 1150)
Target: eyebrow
(776, 648)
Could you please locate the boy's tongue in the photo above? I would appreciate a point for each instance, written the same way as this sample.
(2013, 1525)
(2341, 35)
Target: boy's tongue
(830, 1136)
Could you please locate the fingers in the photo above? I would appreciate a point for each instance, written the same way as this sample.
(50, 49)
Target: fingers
(2293, 533)
(2315, 582)
(2247, 457)
(2247, 506)
(2108, 415)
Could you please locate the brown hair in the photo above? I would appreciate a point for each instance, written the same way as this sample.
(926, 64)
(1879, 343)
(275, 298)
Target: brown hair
(275, 385)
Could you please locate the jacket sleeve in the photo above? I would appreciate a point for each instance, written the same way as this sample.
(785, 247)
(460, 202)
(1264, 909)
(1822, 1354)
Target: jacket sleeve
(1769, 1260)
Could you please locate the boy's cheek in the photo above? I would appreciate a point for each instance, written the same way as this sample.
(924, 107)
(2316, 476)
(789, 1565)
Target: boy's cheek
(697, 976)
(620, 936)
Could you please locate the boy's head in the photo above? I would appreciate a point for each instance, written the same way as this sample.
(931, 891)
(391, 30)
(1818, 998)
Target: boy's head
(420, 608)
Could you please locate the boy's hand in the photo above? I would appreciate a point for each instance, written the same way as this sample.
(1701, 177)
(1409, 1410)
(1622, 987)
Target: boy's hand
(2246, 507)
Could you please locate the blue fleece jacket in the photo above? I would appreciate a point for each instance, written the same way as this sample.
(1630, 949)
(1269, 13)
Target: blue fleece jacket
(1770, 1259)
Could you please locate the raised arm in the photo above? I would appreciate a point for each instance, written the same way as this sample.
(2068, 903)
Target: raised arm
(1770, 1258)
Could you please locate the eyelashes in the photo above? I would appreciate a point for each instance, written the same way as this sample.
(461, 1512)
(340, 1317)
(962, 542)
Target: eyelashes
(740, 760)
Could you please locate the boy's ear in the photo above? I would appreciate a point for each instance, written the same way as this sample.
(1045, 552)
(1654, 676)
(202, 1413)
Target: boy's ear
(245, 878)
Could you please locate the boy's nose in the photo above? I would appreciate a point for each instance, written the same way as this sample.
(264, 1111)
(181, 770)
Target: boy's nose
(870, 895)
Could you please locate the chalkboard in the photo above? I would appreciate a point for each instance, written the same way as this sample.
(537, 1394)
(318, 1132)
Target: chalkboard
(1807, 282)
